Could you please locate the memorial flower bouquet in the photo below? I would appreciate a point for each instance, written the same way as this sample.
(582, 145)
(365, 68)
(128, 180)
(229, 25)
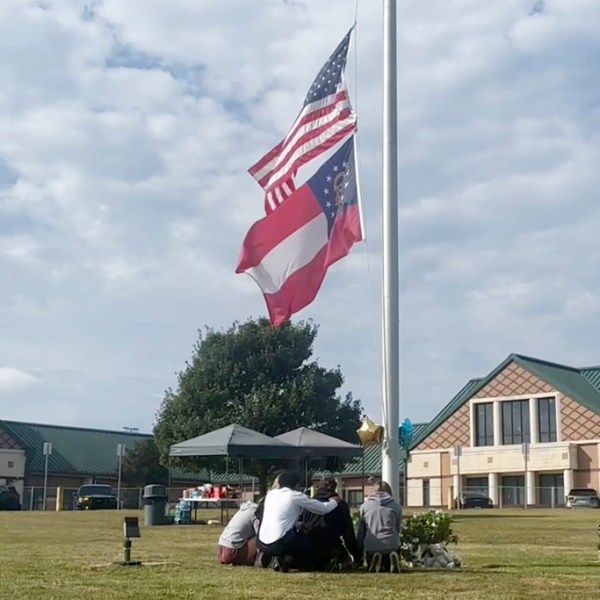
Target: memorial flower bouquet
(424, 540)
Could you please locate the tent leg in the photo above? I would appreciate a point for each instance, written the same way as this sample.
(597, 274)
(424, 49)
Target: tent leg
(241, 478)
(226, 487)
(363, 475)
(306, 473)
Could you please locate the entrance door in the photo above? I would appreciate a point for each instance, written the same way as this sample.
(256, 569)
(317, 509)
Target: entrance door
(552, 489)
(513, 490)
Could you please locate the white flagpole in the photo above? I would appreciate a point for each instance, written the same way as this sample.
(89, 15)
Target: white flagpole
(391, 300)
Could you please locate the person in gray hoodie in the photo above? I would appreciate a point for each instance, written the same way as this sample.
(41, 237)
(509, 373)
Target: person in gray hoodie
(379, 529)
(237, 544)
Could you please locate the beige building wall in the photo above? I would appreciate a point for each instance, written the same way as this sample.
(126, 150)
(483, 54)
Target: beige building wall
(577, 422)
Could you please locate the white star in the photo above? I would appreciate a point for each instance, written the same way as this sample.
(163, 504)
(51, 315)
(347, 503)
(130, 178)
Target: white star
(326, 191)
(335, 168)
(344, 164)
(328, 204)
(328, 177)
(333, 213)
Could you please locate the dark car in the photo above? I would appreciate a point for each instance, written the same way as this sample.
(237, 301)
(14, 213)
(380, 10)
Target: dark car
(95, 497)
(474, 500)
(9, 498)
(583, 498)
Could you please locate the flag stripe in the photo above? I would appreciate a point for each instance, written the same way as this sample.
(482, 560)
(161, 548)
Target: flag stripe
(313, 144)
(301, 287)
(307, 131)
(291, 255)
(307, 120)
(272, 230)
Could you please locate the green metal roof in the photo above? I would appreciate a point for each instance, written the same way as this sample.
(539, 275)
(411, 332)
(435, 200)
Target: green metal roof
(592, 374)
(582, 385)
(76, 450)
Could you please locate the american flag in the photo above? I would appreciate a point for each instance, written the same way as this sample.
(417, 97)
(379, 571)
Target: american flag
(326, 118)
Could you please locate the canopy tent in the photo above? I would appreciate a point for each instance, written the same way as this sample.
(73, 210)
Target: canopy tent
(234, 440)
(314, 444)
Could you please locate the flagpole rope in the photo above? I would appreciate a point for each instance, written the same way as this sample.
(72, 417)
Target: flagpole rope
(374, 327)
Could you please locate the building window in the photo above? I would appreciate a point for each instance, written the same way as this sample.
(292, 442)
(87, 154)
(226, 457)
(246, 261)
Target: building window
(477, 484)
(355, 497)
(515, 422)
(547, 419)
(484, 424)
(426, 494)
(11, 464)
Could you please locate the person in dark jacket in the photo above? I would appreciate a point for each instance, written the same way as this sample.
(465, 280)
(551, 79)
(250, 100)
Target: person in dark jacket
(379, 529)
(331, 535)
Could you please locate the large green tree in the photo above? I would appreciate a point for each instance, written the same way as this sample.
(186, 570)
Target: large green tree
(259, 377)
(141, 465)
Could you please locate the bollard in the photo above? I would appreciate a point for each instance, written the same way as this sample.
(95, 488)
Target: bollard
(130, 529)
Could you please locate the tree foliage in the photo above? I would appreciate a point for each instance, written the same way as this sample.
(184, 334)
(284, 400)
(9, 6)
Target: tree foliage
(259, 377)
(141, 465)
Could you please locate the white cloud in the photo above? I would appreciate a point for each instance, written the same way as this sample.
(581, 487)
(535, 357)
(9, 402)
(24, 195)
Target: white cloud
(12, 380)
(126, 129)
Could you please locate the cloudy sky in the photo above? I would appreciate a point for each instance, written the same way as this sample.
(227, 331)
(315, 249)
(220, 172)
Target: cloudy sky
(127, 126)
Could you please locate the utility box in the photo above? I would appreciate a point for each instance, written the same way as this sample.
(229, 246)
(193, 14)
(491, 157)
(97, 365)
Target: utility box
(155, 504)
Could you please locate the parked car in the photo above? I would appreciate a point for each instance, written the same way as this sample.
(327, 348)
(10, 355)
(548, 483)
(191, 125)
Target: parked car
(583, 498)
(95, 497)
(10, 499)
(474, 500)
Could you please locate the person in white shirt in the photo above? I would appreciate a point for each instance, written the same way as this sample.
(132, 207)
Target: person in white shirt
(278, 537)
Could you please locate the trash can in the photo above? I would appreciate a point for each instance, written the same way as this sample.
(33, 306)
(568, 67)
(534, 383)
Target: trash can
(155, 503)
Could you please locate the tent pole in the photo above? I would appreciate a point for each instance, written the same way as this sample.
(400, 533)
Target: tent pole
(306, 472)
(226, 487)
(241, 478)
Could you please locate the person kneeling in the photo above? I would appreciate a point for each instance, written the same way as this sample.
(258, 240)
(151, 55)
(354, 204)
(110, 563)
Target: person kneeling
(278, 536)
(237, 544)
(379, 529)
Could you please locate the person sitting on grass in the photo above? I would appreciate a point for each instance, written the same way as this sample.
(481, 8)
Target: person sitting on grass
(278, 536)
(332, 535)
(237, 544)
(379, 529)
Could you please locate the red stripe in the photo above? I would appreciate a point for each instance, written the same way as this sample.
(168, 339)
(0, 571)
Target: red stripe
(291, 185)
(267, 158)
(300, 208)
(313, 152)
(301, 288)
(307, 137)
(309, 117)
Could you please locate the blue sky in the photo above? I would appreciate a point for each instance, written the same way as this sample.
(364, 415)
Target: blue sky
(126, 128)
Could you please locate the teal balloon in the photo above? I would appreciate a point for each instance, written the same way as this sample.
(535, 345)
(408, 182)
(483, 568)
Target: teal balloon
(406, 434)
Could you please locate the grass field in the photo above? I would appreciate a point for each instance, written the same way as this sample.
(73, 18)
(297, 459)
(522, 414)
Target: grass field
(507, 554)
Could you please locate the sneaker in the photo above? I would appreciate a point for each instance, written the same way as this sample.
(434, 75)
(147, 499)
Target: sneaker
(375, 565)
(394, 562)
(280, 564)
(333, 566)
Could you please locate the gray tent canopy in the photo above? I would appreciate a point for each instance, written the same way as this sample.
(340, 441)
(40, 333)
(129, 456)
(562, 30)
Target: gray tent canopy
(314, 444)
(234, 440)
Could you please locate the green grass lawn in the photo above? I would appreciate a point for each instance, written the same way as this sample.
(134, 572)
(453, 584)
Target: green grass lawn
(506, 554)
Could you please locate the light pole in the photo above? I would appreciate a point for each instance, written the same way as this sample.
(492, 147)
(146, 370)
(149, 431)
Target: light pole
(120, 455)
(47, 452)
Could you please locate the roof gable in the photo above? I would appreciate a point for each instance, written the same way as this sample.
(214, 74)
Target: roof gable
(582, 385)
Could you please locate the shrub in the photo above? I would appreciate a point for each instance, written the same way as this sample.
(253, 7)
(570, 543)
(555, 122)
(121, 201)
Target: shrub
(422, 530)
